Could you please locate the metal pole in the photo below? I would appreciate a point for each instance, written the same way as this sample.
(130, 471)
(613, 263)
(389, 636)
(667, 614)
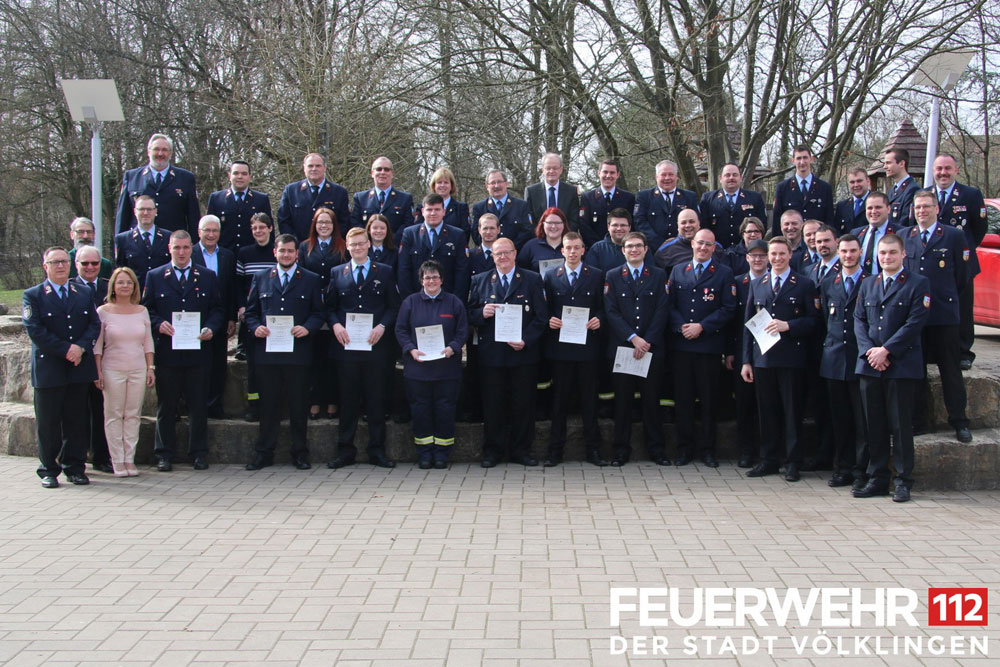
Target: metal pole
(932, 140)
(96, 208)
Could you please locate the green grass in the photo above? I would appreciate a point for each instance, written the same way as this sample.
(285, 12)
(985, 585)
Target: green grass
(12, 299)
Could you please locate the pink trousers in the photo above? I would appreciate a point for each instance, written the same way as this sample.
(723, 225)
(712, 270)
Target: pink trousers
(123, 394)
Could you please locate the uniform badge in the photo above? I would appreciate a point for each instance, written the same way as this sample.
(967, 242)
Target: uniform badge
(982, 212)
(606, 288)
(26, 312)
(180, 192)
(833, 310)
(927, 301)
(965, 255)
(816, 303)
(941, 263)
(708, 296)
(732, 288)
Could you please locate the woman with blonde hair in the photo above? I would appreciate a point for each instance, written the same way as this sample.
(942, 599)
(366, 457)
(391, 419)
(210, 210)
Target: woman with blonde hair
(456, 213)
(124, 356)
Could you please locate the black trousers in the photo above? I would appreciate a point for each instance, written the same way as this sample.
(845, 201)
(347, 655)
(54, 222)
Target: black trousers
(98, 440)
(780, 403)
(942, 345)
(470, 398)
(61, 421)
(696, 376)
(568, 376)
(888, 405)
(172, 382)
(625, 387)
(282, 384)
(219, 346)
(508, 410)
(747, 426)
(849, 433)
(362, 379)
(966, 325)
(323, 375)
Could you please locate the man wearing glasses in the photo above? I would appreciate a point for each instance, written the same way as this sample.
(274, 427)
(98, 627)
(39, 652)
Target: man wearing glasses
(513, 213)
(82, 232)
(391, 202)
(145, 246)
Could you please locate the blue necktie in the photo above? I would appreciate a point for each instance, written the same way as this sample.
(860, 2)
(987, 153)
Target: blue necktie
(62, 293)
(849, 284)
(572, 278)
(697, 272)
(506, 285)
(857, 206)
(552, 196)
(361, 274)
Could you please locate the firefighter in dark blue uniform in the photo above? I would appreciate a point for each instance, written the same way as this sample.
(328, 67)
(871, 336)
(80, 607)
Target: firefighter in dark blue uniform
(889, 317)
(896, 162)
(234, 207)
(171, 188)
(597, 204)
(366, 287)
(393, 203)
(838, 297)
(635, 307)
(456, 213)
(480, 261)
(287, 290)
(656, 209)
(941, 254)
(432, 239)
(724, 210)
(701, 301)
(508, 370)
(145, 246)
(300, 200)
(182, 286)
(62, 323)
(575, 285)
(780, 373)
(850, 213)
(512, 213)
(877, 214)
(803, 191)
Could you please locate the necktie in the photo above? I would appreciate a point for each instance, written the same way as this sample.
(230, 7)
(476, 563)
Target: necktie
(822, 272)
(857, 206)
(381, 199)
(942, 201)
(284, 281)
(315, 190)
(924, 236)
(669, 197)
(635, 275)
(870, 251)
(552, 196)
(239, 197)
(487, 252)
(815, 258)
(802, 186)
(146, 238)
(732, 201)
(697, 271)
(159, 181)
(849, 285)
(572, 278)
(894, 188)
(777, 284)
(506, 285)
(93, 288)
(499, 204)
(182, 276)
(62, 292)
(361, 274)
(323, 245)
(887, 285)
(607, 199)
(378, 254)
(432, 237)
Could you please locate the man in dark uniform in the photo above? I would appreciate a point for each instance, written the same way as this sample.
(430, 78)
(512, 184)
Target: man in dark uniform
(940, 253)
(702, 300)
(432, 239)
(362, 286)
(171, 188)
(574, 364)
(838, 297)
(803, 191)
(904, 186)
(209, 253)
(481, 257)
(145, 246)
(480, 261)
(301, 199)
(513, 213)
(508, 369)
(81, 232)
(888, 319)
(635, 307)
(677, 251)
(285, 291)
(877, 213)
(552, 192)
(962, 206)
(850, 212)
(234, 207)
(607, 253)
(393, 203)
(791, 229)
(62, 323)
(780, 373)
(596, 205)
(88, 266)
(656, 209)
(725, 209)
(174, 288)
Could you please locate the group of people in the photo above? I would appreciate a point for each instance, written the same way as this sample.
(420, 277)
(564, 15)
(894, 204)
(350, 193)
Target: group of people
(564, 300)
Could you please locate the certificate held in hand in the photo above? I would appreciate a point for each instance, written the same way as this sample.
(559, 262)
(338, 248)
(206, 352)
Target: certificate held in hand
(574, 325)
(756, 324)
(281, 339)
(187, 328)
(507, 328)
(430, 341)
(359, 327)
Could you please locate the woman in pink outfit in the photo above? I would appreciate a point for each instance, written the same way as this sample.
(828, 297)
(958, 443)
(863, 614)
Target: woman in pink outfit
(124, 355)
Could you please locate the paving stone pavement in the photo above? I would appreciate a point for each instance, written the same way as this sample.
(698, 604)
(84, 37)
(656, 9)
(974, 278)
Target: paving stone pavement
(466, 567)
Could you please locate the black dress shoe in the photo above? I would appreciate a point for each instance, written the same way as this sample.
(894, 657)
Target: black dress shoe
(50, 482)
(594, 457)
(660, 460)
(841, 479)
(200, 462)
(487, 463)
(551, 462)
(260, 461)
(792, 472)
(301, 463)
(340, 461)
(313, 416)
(164, 464)
(103, 467)
(871, 489)
(859, 483)
(965, 365)
(332, 415)
(710, 461)
(745, 461)
(381, 460)
(425, 464)
(528, 461)
(79, 479)
(440, 464)
(963, 434)
(618, 461)
(902, 494)
(762, 469)
(684, 459)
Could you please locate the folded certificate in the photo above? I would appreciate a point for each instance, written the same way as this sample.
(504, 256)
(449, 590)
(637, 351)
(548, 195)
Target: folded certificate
(359, 327)
(430, 341)
(756, 324)
(574, 325)
(187, 327)
(625, 362)
(507, 328)
(281, 339)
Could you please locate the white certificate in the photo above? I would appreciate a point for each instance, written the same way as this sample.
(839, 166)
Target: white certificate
(574, 325)
(508, 322)
(756, 324)
(546, 265)
(430, 341)
(187, 327)
(281, 339)
(625, 362)
(359, 327)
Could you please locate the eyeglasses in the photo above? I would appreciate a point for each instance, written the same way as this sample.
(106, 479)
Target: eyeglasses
(634, 246)
(89, 263)
(431, 278)
(145, 209)
(56, 262)
(502, 253)
(495, 182)
(357, 245)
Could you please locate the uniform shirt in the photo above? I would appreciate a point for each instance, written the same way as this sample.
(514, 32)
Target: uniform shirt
(211, 258)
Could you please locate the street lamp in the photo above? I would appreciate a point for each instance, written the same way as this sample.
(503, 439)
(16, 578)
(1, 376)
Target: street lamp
(941, 72)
